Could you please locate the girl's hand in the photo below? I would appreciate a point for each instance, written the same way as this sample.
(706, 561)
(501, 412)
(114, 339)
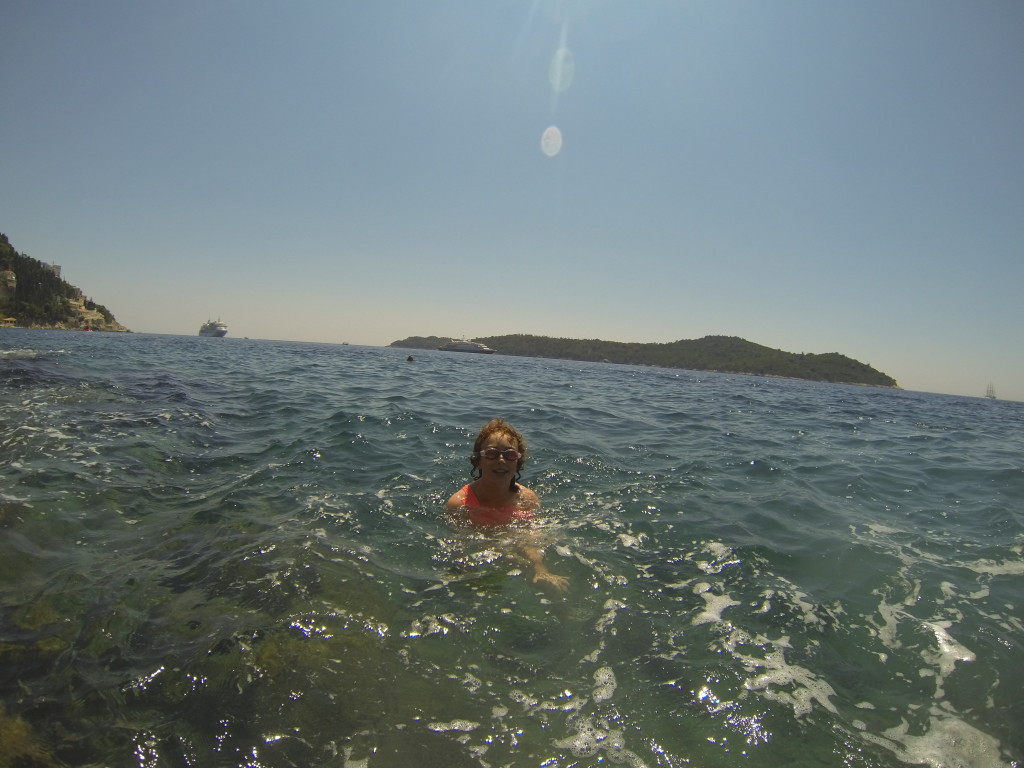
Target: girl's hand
(543, 575)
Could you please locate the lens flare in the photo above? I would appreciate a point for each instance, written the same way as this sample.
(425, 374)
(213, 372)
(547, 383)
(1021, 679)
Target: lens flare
(551, 141)
(562, 69)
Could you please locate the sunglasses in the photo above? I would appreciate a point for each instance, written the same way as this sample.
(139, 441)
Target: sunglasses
(509, 454)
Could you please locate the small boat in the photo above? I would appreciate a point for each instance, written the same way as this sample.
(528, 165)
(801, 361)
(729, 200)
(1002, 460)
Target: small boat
(466, 346)
(213, 328)
(991, 391)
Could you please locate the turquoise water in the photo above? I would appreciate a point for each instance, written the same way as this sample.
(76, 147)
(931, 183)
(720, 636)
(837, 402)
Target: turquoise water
(223, 552)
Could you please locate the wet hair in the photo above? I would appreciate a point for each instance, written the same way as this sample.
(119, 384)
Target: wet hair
(499, 427)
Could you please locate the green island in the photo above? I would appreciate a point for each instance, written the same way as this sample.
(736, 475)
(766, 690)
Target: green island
(724, 354)
(33, 295)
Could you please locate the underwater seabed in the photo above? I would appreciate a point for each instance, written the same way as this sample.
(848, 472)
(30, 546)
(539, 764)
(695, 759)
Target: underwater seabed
(344, 653)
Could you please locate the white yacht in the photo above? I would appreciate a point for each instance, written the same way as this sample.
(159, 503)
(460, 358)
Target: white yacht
(466, 346)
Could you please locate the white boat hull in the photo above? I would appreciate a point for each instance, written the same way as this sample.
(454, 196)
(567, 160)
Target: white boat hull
(212, 328)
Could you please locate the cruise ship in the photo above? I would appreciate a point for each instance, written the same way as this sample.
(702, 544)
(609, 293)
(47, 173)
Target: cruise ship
(213, 328)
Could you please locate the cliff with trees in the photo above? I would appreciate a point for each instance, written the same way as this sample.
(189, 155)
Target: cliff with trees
(726, 354)
(33, 295)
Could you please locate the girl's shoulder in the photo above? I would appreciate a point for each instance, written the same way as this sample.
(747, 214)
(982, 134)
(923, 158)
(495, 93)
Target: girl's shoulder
(458, 499)
(527, 498)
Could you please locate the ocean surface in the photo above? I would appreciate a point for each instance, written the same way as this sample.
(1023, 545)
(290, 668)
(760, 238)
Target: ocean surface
(229, 552)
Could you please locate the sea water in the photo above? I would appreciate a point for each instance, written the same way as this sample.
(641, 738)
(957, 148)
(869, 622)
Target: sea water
(224, 552)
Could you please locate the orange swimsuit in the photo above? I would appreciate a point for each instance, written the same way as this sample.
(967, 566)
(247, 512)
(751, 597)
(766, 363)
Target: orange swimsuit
(484, 515)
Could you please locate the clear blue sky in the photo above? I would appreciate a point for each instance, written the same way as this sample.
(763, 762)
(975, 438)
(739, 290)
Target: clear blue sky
(812, 176)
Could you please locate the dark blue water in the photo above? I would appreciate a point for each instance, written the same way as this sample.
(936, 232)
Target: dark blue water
(223, 552)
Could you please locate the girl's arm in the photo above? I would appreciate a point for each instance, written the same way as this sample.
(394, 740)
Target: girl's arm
(540, 571)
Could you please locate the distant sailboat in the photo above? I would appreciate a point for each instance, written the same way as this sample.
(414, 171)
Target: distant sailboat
(991, 391)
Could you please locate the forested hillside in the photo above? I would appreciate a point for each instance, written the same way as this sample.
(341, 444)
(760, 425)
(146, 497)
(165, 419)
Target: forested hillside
(42, 299)
(729, 354)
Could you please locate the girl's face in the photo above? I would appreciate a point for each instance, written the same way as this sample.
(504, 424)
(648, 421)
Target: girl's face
(494, 460)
